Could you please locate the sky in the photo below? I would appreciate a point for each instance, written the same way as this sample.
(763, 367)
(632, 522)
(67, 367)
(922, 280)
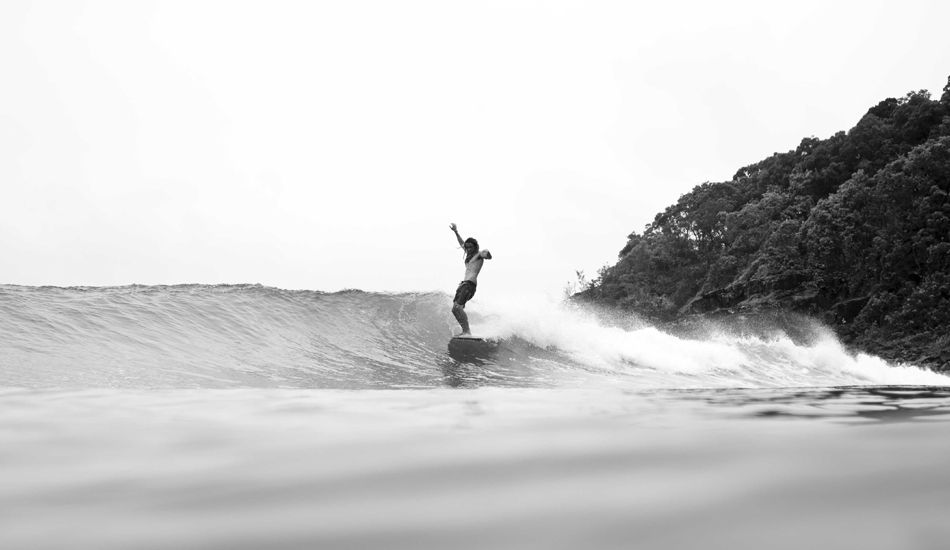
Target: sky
(328, 145)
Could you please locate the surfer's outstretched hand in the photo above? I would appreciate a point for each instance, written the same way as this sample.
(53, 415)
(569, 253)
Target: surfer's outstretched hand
(452, 226)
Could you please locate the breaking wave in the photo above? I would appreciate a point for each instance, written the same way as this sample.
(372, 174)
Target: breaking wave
(221, 336)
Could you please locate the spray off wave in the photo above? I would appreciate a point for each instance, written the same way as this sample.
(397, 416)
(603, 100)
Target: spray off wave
(720, 355)
(254, 336)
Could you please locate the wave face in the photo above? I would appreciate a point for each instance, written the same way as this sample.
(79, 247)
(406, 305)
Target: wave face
(222, 336)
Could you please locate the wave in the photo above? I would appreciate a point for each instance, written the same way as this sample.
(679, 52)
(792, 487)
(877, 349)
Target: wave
(219, 336)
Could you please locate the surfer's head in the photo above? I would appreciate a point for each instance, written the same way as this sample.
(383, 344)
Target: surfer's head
(471, 247)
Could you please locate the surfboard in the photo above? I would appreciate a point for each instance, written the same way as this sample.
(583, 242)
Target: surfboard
(472, 349)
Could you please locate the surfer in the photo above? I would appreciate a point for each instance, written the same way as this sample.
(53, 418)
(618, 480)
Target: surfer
(474, 259)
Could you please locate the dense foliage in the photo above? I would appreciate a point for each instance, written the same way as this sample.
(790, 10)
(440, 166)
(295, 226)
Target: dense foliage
(854, 228)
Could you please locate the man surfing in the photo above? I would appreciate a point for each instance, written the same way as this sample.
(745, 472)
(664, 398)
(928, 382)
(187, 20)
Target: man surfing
(474, 259)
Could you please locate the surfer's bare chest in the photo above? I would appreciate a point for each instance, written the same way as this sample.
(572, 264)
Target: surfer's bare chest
(473, 267)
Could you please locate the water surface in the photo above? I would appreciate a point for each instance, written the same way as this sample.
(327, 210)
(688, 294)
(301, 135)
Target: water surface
(248, 417)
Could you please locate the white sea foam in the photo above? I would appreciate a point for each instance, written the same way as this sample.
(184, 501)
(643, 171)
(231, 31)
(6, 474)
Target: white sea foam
(720, 356)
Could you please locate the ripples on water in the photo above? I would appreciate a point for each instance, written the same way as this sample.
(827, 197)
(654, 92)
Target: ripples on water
(485, 468)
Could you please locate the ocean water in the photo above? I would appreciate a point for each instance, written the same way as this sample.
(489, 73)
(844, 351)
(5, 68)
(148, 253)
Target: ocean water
(243, 416)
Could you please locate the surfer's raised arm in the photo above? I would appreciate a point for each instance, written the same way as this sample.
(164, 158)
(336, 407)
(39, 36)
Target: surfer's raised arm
(457, 236)
(485, 254)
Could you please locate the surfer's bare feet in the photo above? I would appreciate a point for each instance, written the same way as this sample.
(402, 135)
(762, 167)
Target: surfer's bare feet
(465, 333)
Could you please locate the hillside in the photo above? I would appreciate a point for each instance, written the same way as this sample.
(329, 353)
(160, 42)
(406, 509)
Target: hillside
(853, 229)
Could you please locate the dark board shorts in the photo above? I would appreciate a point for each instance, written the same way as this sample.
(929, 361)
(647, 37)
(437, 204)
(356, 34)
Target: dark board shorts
(465, 292)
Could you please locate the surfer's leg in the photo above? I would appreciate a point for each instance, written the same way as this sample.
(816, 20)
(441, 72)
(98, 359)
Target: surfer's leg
(463, 294)
(461, 317)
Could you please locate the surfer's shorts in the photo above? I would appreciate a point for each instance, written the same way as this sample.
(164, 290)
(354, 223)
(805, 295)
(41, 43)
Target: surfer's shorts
(464, 292)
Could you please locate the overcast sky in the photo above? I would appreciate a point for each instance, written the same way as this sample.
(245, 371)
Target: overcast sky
(328, 145)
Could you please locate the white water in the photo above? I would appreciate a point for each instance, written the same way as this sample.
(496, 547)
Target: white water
(720, 358)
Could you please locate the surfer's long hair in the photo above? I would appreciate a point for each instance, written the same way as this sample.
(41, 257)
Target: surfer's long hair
(470, 255)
